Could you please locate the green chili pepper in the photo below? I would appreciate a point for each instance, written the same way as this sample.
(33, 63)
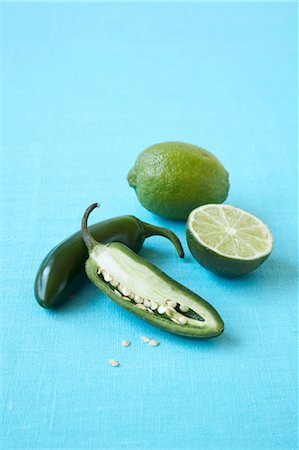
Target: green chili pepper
(61, 271)
(143, 289)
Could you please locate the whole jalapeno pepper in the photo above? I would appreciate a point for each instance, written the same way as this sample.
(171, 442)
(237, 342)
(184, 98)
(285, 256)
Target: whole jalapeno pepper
(62, 270)
(139, 286)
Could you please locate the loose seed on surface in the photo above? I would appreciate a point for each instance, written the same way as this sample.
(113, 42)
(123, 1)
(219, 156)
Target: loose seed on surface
(113, 362)
(171, 303)
(184, 308)
(125, 343)
(154, 343)
(161, 309)
(145, 339)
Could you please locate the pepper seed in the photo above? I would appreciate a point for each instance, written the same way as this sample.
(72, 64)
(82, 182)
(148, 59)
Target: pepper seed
(174, 320)
(138, 299)
(125, 291)
(169, 311)
(182, 320)
(184, 308)
(113, 362)
(147, 303)
(145, 339)
(154, 306)
(107, 277)
(117, 293)
(154, 343)
(114, 283)
(161, 309)
(171, 303)
(125, 343)
(140, 306)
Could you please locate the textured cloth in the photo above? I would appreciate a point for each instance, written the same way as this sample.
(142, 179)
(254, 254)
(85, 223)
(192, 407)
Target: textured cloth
(86, 88)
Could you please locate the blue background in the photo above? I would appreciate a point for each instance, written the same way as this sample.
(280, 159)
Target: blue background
(86, 88)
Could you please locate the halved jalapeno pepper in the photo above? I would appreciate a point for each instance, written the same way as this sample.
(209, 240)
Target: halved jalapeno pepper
(139, 286)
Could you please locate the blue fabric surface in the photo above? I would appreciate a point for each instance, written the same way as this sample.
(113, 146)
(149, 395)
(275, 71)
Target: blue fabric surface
(86, 88)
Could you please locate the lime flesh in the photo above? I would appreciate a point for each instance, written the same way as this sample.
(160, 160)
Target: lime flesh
(228, 240)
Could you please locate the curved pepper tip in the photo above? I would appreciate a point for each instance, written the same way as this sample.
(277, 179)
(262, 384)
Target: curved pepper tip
(154, 230)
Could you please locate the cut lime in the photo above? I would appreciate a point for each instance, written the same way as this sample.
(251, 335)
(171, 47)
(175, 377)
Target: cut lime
(228, 240)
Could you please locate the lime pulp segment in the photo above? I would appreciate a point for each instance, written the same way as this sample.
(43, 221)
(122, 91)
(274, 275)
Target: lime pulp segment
(230, 231)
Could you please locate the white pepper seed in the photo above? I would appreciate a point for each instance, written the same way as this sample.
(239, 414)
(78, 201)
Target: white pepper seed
(131, 296)
(125, 343)
(147, 303)
(113, 362)
(125, 291)
(150, 311)
(169, 311)
(184, 308)
(145, 339)
(107, 277)
(99, 270)
(127, 298)
(154, 343)
(171, 303)
(117, 293)
(154, 306)
(174, 320)
(114, 282)
(161, 309)
(182, 320)
(140, 306)
(138, 299)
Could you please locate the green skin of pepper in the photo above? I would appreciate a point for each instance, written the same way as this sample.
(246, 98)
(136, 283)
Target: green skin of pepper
(62, 270)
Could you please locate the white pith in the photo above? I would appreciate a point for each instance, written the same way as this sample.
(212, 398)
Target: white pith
(238, 236)
(141, 281)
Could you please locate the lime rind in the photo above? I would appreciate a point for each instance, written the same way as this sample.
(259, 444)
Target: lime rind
(230, 232)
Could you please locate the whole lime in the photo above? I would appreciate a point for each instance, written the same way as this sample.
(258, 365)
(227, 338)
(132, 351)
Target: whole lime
(173, 178)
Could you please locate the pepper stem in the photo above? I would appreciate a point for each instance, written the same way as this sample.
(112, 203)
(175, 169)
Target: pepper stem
(90, 242)
(153, 230)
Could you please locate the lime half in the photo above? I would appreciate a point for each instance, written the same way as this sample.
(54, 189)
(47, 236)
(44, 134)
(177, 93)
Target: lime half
(228, 240)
